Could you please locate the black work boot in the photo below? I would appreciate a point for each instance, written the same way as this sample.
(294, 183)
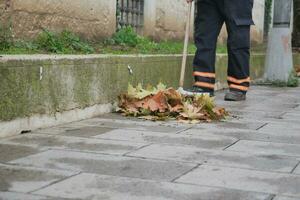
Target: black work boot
(195, 90)
(235, 96)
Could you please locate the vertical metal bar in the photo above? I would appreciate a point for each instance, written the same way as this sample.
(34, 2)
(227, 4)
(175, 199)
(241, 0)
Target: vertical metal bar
(122, 13)
(127, 12)
(142, 14)
(133, 14)
(137, 13)
(130, 13)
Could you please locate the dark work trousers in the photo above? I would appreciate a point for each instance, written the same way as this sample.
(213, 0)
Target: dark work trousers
(211, 15)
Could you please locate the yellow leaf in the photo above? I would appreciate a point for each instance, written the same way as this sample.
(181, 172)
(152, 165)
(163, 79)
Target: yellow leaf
(161, 87)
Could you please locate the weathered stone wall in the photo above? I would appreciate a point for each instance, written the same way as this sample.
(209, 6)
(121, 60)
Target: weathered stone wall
(92, 19)
(166, 20)
(43, 90)
(4, 11)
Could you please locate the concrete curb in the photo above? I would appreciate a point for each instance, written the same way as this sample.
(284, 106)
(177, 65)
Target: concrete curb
(37, 91)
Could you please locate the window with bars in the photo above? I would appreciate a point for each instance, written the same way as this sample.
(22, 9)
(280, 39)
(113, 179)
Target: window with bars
(130, 13)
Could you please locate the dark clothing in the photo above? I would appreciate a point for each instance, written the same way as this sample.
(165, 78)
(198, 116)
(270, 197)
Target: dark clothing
(211, 15)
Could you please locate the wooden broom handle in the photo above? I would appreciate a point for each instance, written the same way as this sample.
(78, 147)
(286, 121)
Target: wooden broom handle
(185, 49)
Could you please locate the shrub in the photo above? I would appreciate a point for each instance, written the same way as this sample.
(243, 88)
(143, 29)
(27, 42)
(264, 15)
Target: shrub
(126, 36)
(64, 42)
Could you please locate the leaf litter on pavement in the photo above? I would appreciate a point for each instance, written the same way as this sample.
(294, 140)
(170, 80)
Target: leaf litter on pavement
(162, 103)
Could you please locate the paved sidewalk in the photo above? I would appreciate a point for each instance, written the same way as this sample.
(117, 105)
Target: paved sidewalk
(253, 156)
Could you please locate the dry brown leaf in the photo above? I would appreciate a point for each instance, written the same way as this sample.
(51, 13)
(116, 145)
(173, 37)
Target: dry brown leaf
(160, 103)
(157, 103)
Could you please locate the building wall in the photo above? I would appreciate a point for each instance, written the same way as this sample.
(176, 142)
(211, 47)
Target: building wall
(96, 19)
(166, 20)
(4, 10)
(92, 19)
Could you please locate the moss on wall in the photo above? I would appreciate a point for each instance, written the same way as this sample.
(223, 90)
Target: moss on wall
(69, 82)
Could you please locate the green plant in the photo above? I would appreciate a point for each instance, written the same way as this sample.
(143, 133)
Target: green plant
(64, 42)
(6, 38)
(293, 80)
(126, 36)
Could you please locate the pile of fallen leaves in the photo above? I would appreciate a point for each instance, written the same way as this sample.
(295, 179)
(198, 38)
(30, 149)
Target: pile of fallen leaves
(161, 103)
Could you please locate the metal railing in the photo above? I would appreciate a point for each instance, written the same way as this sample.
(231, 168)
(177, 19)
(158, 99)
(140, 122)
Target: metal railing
(130, 13)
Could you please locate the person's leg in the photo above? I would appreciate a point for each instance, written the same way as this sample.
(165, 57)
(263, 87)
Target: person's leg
(208, 23)
(238, 22)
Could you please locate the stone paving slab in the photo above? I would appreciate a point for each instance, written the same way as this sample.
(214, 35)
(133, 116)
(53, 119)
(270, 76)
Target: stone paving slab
(297, 108)
(291, 115)
(219, 158)
(23, 196)
(292, 122)
(203, 141)
(267, 148)
(139, 125)
(117, 118)
(268, 107)
(107, 164)
(89, 186)
(281, 129)
(19, 196)
(297, 169)
(45, 142)
(244, 125)
(85, 131)
(245, 135)
(249, 180)
(27, 179)
(254, 155)
(10, 152)
(257, 114)
(256, 103)
(285, 198)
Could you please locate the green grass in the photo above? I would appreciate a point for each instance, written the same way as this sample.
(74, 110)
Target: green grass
(125, 41)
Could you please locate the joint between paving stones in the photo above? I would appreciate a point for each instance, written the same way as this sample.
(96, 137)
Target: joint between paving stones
(125, 154)
(181, 131)
(55, 182)
(271, 197)
(192, 169)
(261, 126)
(281, 115)
(293, 170)
(85, 151)
(162, 159)
(228, 146)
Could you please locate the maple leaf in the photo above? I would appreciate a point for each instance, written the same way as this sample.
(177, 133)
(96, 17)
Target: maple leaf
(174, 97)
(157, 103)
(160, 103)
(161, 87)
(220, 112)
(191, 112)
(131, 91)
